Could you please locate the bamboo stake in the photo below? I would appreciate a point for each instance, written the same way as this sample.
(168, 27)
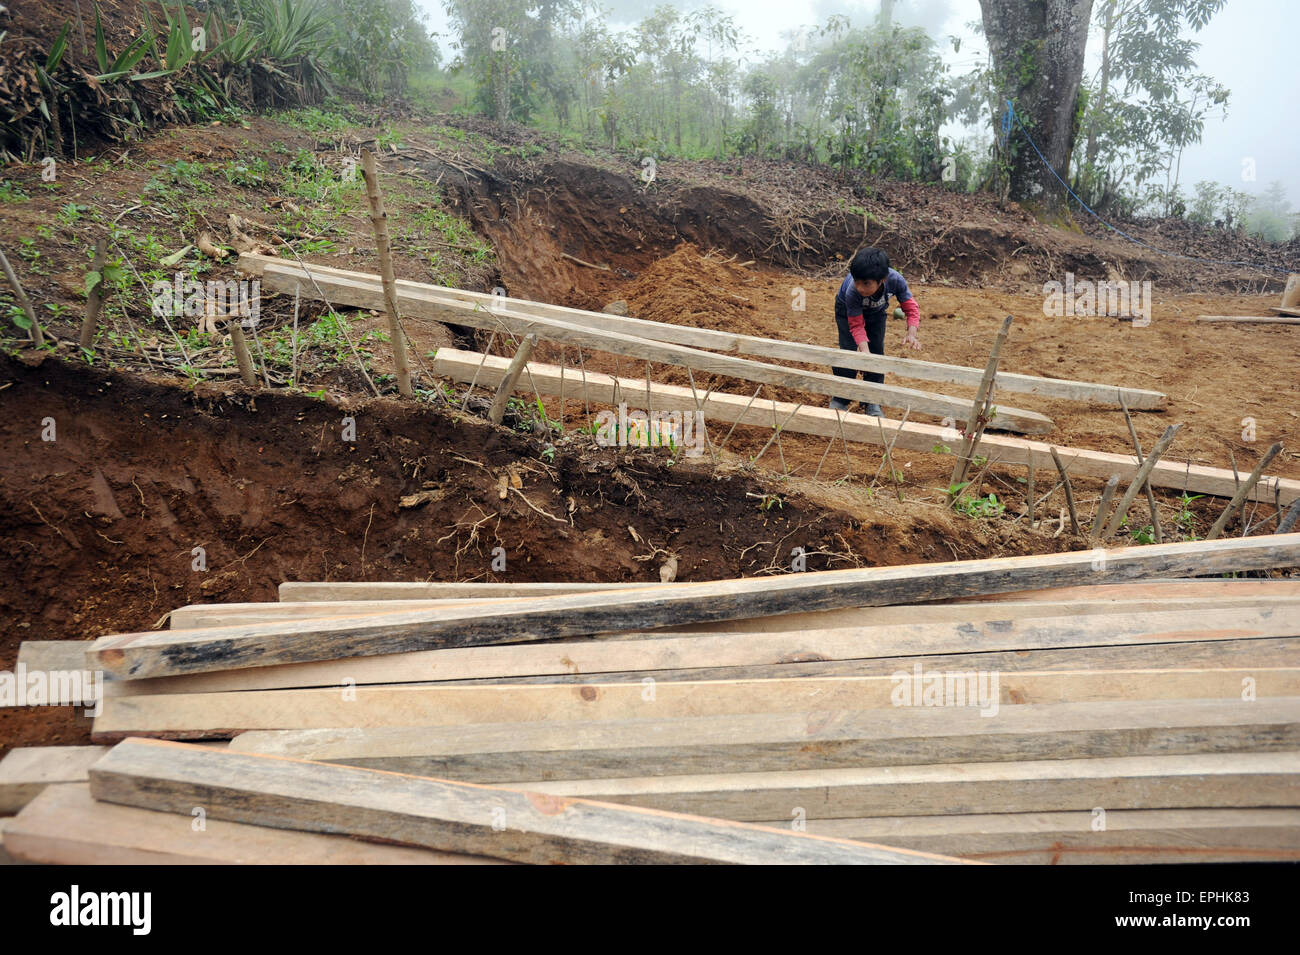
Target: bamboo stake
(498, 410)
(1069, 492)
(95, 299)
(24, 303)
(979, 409)
(379, 219)
(1242, 492)
(1156, 530)
(1103, 506)
(1140, 478)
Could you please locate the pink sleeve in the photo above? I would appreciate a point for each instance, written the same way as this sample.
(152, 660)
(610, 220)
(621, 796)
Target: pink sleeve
(913, 313)
(857, 328)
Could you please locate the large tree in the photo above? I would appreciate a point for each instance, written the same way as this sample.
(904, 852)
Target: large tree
(1037, 48)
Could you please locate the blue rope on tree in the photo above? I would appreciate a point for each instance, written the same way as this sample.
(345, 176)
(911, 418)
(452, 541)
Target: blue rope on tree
(1007, 119)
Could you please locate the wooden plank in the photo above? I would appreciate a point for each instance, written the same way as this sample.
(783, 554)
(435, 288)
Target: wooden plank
(518, 324)
(199, 616)
(1197, 655)
(51, 655)
(1129, 836)
(1251, 319)
(718, 340)
(437, 814)
(910, 436)
(763, 742)
(7, 858)
(223, 715)
(1214, 780)
(435, 590)
(885, 632)
(65, 826)
(26, 771)
(167, 653)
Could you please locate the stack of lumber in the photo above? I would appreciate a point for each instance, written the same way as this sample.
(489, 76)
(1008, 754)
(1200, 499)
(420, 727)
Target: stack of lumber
(1102, 706)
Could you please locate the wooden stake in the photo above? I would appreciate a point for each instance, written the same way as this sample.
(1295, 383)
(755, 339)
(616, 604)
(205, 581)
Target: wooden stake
(1103, 506)
(498, 409)
(95, 299)
(379, 219)
(1140, 478)
(35, 331)
(1069, 493)
(978, 417)
(1239, 498)
(242, 355)
(1151, 495)
(1031, 495)
(1292, 516)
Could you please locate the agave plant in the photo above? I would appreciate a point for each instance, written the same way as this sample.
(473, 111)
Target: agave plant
(125, 62)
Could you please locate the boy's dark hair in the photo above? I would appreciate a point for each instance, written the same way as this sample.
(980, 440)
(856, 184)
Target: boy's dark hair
(869, 264)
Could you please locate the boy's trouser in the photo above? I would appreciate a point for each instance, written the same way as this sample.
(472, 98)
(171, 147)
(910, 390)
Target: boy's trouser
(875, 343)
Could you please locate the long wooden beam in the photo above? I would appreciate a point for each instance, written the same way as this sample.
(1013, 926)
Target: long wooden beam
(65, 826)
(27, 770)
(198, 616)
(361, 294)
(717, 340)
(1119, 837)
(302, 591)
(169, 653)
(1269, 653)
(1211, 780)
(763, 742)
(224, 715)
(974, 629)
(452, 817)
(910, 436)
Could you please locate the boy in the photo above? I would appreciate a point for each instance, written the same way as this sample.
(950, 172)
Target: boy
(861, 313)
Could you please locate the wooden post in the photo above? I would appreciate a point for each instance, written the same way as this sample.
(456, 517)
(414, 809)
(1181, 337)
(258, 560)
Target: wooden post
(1031, 495)
(979, 409)
(1242, 492)
(1292, 515)
(1140, 478)
(242, 356)
(498, 410)
(1069, 492)
(1103, 506)
(95, 299)
(35, 331)
(1151, 495)
(379, 219)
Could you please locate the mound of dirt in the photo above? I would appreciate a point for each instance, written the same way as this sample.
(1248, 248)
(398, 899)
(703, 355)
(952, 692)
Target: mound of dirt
(691, 288)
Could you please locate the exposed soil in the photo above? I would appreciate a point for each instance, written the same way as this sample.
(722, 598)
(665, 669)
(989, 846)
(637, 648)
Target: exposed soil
(98, 527)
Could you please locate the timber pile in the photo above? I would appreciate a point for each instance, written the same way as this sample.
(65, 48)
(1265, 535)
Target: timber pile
(1091, 707)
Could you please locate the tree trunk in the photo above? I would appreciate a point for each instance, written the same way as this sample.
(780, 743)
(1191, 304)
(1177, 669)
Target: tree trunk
(1099, 110)
(1038, 48)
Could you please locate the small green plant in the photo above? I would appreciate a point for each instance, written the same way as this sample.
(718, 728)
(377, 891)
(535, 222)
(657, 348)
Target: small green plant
(58, 309)
(71, 213)
(11, 191)
(240, 172)
(768, 501)
(941, 449)
(548, 454)
(1144, 535)
(980, 506)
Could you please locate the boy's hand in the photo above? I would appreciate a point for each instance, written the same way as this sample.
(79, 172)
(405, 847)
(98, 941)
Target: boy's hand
(910, 340)
(864, 346)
